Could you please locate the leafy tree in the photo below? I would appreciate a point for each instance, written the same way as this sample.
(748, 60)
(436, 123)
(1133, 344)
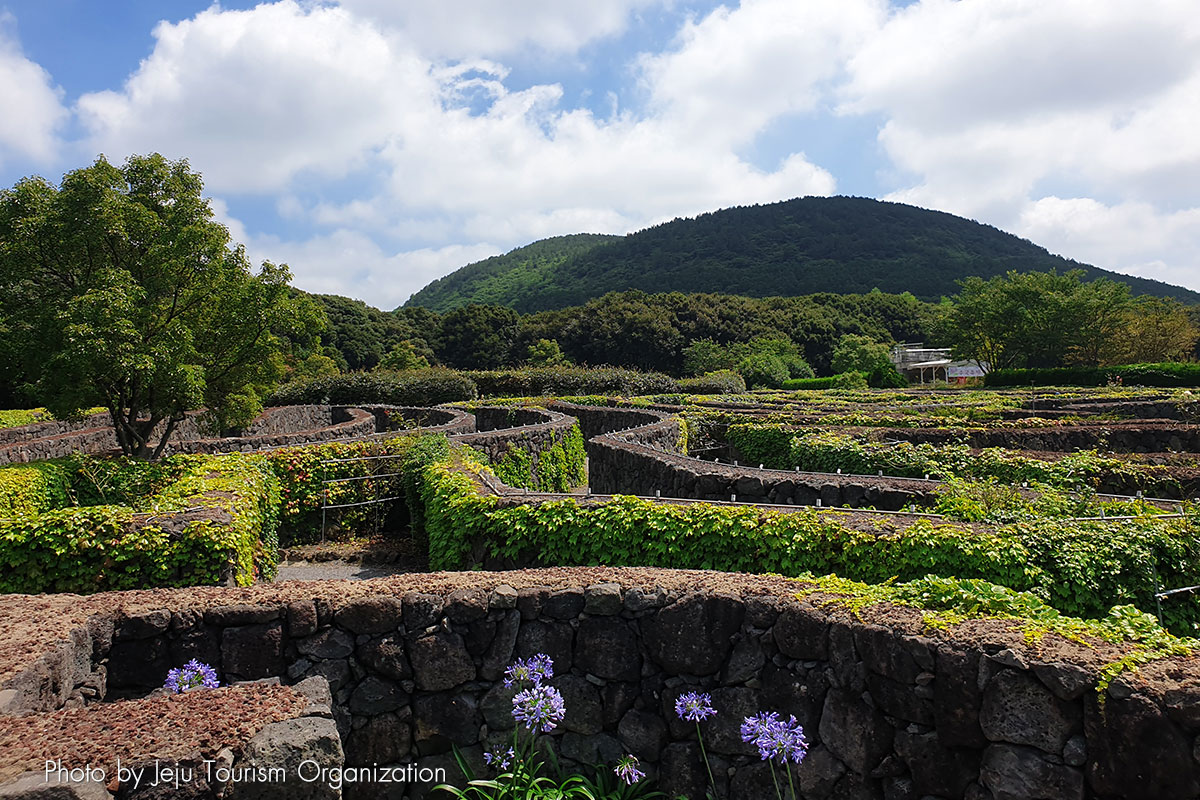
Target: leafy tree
(781, 348)
(121, 290)
(403, 356)
(856, 353)
(312, 367)
(1035, 319)
(763, 370)
(478, 336)
(704, 356)
(546, 353)
(1156, 329)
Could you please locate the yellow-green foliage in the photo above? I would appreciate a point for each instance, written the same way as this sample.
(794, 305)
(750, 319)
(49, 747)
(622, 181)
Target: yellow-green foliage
(1081, 568)
(561, 466)
(106, 547)
(949, 601)
(32, 488)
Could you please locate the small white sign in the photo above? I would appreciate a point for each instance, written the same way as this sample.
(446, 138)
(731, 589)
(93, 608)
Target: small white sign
(964, 371)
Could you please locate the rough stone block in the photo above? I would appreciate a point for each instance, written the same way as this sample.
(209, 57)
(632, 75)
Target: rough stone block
(606, 647)
(1018, 709)
(1011, 772)
(379, 614)
(694, 635)
(440, 661)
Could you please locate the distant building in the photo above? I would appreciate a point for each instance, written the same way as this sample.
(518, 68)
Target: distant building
(921, 364)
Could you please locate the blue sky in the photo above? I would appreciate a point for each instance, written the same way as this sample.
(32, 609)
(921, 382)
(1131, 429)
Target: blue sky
(374, 145)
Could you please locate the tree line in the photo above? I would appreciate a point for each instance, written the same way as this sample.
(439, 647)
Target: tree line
(119, 290)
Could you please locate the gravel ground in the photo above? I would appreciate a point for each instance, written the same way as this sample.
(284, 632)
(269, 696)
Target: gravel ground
(336, 570)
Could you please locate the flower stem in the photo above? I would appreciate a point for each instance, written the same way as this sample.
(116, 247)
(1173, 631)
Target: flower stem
(787, 768)
(712, 781)
(775, 780)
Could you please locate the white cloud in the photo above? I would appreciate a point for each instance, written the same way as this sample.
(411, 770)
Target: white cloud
(492, 28)
(1134, 237)
(255, 97)
(32, 109)
(737, 69)
(995, 107)
(350, 263)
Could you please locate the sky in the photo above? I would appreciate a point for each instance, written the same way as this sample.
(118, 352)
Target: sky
(375, 145)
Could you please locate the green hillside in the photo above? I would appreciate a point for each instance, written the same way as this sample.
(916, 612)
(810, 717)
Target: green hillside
(500, 278)
(842, 245)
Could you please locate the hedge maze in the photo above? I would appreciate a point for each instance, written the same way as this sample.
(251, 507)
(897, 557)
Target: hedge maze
(977, 586)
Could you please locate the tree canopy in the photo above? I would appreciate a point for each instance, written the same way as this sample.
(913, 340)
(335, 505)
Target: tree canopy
(1036, 319)
(119, 289)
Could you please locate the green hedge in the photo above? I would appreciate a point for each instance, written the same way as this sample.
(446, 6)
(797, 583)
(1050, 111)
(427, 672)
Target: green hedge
(1165, 374)
(1080, 568)
(845, 380)
(779, 447)
(427, 387)
(557, 381)
(724, 381)
(108, 547)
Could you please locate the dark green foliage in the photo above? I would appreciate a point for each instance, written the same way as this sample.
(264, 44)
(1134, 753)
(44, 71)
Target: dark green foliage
(571, 381)
(724, 381)
(668, 332)
(359, 335)
(763, 371)
(805, 245)
(118, 288)
(1168, 374)
(428, 387)
(478, 337)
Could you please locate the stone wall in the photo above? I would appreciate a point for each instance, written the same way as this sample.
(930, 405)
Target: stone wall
(888, 714)
(275, 427)
(287, 428)
(633, 451)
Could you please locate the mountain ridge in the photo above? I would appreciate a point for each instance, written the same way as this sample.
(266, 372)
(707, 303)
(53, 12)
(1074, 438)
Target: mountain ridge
(845, 245)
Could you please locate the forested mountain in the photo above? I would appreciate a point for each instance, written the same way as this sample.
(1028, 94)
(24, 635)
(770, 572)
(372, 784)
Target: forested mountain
(498, 278)
(803, 246)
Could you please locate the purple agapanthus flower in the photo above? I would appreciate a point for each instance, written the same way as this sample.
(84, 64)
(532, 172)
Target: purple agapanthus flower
(694, 706)
(499, 759)
(529, 670)
(627, 770)
(775, 738)
(192, 675)
(540, 708)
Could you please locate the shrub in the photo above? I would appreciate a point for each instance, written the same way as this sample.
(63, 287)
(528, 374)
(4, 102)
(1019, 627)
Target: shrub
(557, 381)
(763, 371)
(724, 381)
(1165, 374)
(808, 383)
(426, 387)
(849, 380)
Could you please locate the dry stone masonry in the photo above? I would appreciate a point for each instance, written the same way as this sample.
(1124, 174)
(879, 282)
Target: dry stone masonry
(888, 714)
